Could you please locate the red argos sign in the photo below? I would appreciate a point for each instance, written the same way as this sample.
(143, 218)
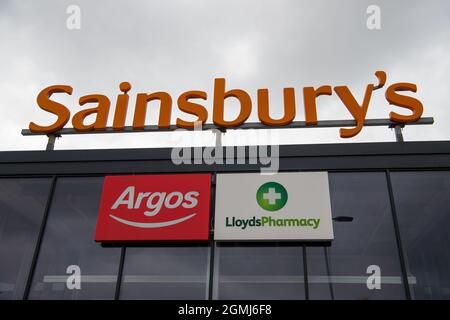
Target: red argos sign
(155, 207)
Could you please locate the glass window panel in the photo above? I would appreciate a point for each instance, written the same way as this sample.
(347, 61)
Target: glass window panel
(266, 271)
(22, 205)
(165, 272)
(422, 202)
(340, 271)
(68, 240)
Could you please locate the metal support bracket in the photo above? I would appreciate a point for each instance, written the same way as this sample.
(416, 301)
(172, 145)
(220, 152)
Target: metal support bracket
(51, 141)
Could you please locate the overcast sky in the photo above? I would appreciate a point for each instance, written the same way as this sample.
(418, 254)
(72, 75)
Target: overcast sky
(182, 45)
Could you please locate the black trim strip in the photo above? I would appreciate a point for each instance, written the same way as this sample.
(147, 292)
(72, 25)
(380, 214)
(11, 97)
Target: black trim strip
(287, 151)
(120, 273)
(397, 236)
(327, 264)
(212, 206)
(37, 248)
(211, 270)
(305, 274)
(248, 125)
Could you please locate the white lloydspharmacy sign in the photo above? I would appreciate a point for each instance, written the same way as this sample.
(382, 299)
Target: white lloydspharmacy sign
(284, 206)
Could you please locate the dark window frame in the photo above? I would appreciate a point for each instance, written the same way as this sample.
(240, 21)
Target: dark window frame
(356, 157)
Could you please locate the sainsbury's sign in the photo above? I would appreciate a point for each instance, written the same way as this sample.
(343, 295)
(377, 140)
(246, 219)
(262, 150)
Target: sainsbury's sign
(398, 94)
(154, 207)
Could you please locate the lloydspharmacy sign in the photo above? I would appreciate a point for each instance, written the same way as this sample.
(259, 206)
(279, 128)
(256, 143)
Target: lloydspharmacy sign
(285, 206)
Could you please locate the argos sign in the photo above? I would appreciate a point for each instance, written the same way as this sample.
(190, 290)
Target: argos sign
(154, 207)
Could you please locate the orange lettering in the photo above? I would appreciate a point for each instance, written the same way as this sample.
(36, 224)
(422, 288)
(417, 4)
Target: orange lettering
(309, 102)
(192, 108)
(101, 110)
(218, 105)
(358, 112)
(121, 107)
(141, 109)
(404, 101)
(289, 108)
(44, 102)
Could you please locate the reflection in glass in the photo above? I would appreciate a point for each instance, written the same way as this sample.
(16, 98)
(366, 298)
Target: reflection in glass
(165, 272)
(266, 271)
(422, 201)
(68, 240)
(22, 205)
(340, 271)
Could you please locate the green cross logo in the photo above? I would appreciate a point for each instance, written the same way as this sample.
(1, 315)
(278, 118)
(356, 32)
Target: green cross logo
(271, 196)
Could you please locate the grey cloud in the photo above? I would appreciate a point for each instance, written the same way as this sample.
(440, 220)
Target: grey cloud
(181, 45)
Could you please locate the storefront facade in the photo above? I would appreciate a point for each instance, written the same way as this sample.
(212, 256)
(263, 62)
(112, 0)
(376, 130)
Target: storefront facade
(390, 207)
